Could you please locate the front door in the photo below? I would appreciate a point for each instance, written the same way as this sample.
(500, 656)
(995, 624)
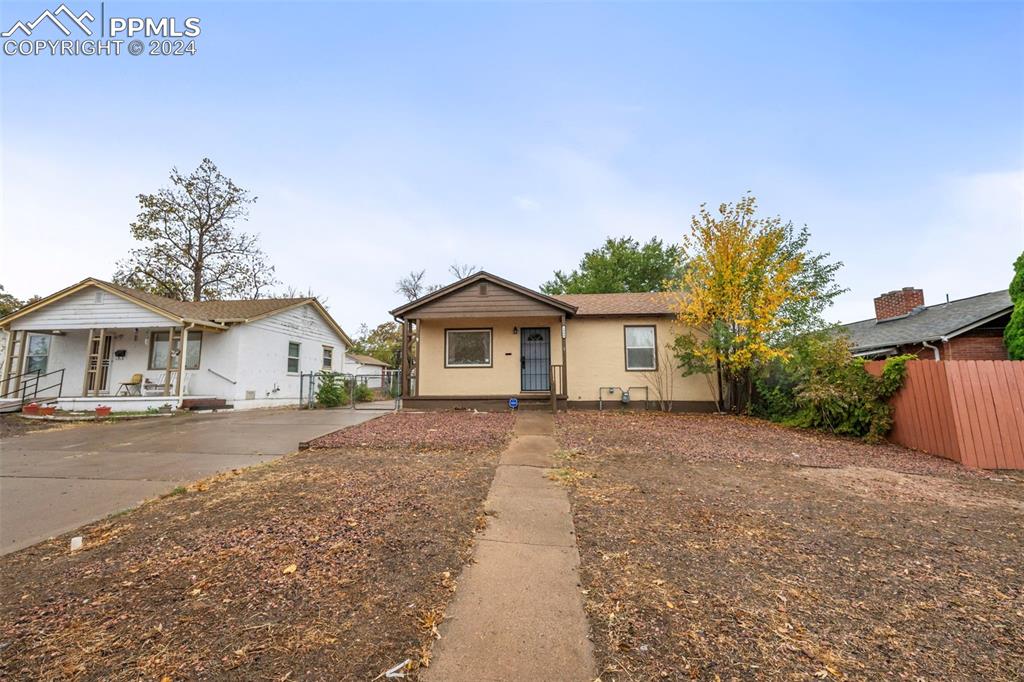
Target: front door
(535, 361)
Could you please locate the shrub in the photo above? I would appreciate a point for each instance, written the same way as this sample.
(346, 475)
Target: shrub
(363, 393)
(1013, 336)
(332, 391)
(776, 383)
(822, 386)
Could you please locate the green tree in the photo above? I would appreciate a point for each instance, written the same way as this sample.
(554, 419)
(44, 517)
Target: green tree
(8, 302)
(620, 265)
(381, 342)
(1014, 333)
(191, 250)
(751, 286)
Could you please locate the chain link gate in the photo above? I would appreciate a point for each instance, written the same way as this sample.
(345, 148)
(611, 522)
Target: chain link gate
(384, 387)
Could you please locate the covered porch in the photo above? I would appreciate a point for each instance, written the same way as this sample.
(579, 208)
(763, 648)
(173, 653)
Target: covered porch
(126, 368)
(481, 342)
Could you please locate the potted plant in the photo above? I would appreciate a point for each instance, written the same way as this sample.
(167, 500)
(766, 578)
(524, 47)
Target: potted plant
(47, 410)
(102, 411)
(30, 409)
(166, 408)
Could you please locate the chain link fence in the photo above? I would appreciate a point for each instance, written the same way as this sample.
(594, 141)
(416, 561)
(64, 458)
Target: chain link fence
(380, 392)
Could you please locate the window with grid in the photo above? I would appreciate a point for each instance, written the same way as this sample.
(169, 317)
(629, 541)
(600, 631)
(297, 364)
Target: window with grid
(159, 346)
(38, 355)
(640, 348)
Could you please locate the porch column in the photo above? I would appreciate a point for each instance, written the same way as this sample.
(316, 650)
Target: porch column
(416, 391)
(93, 362)
(22, 352)
(563, 332)
(97, 385)
(8, 359)
(181, 362)
(88, 359)
(170, 361)
(405, 359)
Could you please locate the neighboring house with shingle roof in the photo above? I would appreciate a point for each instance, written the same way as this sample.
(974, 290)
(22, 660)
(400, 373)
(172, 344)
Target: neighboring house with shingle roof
(370, 370)
(122, 347)
(484, 340)
(965, 329)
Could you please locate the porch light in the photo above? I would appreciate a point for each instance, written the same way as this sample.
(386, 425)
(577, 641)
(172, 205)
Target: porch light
(515, 330)
(563, 331)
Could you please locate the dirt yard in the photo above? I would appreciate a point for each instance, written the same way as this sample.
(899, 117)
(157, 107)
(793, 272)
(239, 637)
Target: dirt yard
(329, 564)
(723, 548)
(12, 425)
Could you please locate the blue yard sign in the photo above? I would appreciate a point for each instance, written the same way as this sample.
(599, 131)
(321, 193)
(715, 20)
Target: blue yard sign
(513, 403)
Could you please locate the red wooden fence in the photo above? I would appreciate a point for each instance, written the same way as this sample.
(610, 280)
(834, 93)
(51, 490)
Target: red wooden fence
(970, 411)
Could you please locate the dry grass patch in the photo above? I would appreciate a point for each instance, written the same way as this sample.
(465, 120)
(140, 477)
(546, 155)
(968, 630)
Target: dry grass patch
(426, 431)
(740, 569)
(717, 438)
(328, 564)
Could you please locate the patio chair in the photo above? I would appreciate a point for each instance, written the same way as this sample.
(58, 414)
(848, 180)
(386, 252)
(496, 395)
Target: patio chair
(131, 387)
(156, 388)
(151, 387)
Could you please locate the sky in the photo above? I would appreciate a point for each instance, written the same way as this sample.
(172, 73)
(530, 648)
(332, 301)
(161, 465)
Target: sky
(384, 138)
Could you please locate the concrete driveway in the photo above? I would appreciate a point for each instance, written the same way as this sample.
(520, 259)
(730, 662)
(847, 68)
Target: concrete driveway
(52, 482)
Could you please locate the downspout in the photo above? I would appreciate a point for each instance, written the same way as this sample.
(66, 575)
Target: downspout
(935, 349)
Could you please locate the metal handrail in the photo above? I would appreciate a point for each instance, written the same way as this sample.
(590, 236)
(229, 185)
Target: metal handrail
(18, 377)
(220, 375)
(32, 382)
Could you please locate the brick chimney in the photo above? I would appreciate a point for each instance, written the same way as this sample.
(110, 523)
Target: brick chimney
(899, 302)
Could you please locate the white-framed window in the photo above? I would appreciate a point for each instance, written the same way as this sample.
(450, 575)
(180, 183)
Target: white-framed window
(158, 347)
(467, 348)
(328, 362)
(293, 357)
(641, 344)
(38, 356)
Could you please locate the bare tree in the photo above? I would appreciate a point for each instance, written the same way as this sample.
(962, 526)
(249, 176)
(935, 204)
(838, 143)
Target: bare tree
(411, 286)
(292, 292)
(190, 249)
(662, 380)
(462, 271)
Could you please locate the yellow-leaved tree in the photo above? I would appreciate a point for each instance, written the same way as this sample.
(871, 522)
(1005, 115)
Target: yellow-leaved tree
(749, 286)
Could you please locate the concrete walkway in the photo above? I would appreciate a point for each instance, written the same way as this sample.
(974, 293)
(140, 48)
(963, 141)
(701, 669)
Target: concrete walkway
(518, 612)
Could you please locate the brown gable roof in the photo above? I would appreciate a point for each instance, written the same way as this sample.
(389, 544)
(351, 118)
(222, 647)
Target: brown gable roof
(367, 360)
(552, 301)
(234, 310)
(642, 304)
(213, 313)
(238, 310)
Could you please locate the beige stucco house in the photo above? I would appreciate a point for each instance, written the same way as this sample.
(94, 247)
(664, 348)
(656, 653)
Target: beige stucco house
(485, 340)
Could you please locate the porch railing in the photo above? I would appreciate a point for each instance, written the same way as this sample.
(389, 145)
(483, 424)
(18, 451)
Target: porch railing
(557, 384)
(29, 386)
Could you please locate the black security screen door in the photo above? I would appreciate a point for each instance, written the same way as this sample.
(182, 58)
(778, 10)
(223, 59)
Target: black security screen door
(536, 358)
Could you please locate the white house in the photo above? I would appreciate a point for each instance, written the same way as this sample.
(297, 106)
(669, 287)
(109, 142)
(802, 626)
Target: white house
(100, 343)
(369, 370)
